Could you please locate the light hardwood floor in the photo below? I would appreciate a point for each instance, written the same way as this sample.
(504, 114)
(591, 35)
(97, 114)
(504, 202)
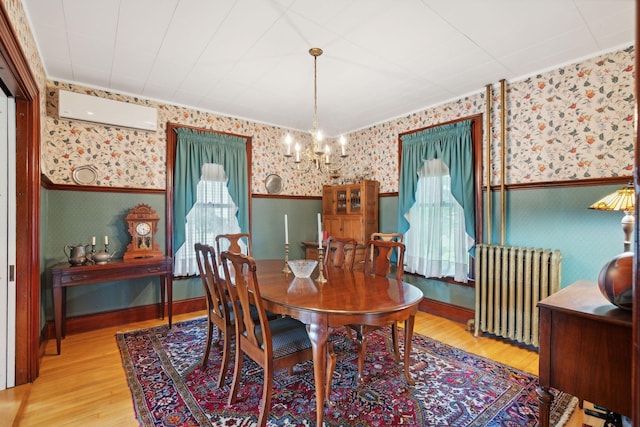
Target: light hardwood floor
(86, 385)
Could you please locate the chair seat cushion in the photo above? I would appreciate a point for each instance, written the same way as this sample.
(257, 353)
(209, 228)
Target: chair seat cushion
(288, 336)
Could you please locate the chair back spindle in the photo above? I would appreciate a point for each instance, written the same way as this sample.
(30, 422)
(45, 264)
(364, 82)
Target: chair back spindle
(378, 261)
(238, 243)
(340, 252)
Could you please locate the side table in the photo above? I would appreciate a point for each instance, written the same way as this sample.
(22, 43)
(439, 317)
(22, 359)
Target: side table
(64, 275)
(585, 349)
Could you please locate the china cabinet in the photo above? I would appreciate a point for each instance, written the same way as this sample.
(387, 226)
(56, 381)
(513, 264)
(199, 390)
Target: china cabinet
(351, 210)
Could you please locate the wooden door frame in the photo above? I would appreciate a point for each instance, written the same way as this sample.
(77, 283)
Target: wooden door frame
(21, 83)
(635, 357)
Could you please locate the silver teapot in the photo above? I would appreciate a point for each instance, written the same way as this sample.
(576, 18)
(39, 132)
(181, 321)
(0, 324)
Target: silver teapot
(101, 257)
(76, 254)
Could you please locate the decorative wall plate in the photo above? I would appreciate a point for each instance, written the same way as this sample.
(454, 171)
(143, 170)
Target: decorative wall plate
(85, 175)
(273, 184)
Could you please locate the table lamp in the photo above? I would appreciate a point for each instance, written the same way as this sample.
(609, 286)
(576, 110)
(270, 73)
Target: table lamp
(620, 200)
(616, 277)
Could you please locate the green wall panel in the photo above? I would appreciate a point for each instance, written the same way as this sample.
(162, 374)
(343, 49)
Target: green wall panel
(267, 226)
(552, 218)
(560, 218)
(73, 217)
(555, 218)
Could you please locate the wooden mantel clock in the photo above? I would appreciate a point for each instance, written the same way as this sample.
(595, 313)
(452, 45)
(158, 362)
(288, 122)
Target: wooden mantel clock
(142, 226)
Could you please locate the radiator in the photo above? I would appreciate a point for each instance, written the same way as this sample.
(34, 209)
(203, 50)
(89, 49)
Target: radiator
(510, 281)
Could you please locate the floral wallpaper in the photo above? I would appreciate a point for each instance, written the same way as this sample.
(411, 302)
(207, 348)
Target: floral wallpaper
(571, 123)
(575, 122)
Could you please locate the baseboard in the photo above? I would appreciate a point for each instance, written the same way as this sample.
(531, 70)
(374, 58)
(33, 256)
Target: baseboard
(90, 322)
(446, 310)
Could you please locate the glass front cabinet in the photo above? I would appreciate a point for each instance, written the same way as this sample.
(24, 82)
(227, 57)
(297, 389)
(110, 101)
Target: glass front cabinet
(351, 210)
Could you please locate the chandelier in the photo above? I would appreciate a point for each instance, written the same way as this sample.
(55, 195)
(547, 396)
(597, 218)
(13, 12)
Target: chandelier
(318, 155)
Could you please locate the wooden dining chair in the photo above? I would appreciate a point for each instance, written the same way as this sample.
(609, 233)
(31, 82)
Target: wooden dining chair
(219, 309)
(236, 241)
(340, 252)
(378, 263)
(395, 237)
(273, 344)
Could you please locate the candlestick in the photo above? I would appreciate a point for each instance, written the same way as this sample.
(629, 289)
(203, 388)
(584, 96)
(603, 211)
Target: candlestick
(319, 231)
(321, 278)
(286, 269)
(343, 143)
(286, 230)
(297, 153)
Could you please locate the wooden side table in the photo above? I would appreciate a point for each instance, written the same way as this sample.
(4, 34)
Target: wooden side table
(585, 349)
(64, 275)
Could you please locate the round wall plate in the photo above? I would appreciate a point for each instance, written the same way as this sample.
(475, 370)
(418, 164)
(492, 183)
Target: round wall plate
(273, 184)
(85, 175)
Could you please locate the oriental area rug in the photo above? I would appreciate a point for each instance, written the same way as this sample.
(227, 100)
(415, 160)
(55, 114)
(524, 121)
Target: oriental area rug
(453, 388)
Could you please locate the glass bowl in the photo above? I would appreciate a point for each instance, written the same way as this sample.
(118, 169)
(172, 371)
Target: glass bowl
(302, 267)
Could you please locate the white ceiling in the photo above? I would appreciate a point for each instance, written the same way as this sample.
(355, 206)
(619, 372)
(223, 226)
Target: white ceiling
(382, 58)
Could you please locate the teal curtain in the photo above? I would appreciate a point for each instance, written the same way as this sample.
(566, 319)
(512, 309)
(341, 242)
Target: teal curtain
(453, 145)
(194, 149)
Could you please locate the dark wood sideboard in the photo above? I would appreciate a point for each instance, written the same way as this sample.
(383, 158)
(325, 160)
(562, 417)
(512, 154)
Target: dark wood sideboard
(585, 349)
(64, 275)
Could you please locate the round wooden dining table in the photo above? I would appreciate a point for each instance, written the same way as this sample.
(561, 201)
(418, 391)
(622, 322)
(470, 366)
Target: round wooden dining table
(346, 298)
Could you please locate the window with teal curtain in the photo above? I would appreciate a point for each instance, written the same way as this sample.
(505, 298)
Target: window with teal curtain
(445, 194)
(194, 149)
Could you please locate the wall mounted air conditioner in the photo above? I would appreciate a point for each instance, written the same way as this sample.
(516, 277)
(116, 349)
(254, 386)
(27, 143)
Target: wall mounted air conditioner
(78, 106)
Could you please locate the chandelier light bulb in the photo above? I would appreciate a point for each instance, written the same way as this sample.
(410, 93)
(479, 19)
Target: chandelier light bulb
(297, 153)
(343, 143)
(288, 140)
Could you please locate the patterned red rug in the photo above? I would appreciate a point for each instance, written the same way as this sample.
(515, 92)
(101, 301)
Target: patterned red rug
(453, 388)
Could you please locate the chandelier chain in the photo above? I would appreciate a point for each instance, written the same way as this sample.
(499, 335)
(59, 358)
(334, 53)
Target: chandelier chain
(315, 155)
(315, 52)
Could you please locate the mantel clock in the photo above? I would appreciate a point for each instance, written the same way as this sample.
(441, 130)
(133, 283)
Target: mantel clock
(142, 226)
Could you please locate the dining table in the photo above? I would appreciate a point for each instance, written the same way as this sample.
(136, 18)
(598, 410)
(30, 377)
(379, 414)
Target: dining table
(346, 298)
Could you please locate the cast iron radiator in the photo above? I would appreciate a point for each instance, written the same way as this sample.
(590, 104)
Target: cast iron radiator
(510, 280)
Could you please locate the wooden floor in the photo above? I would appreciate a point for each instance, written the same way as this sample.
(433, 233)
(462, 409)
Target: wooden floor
(86, 385)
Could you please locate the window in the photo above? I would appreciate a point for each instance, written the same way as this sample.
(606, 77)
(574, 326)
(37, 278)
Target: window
(208, 176)
(436, 242)
(440, 198)
(213, 213)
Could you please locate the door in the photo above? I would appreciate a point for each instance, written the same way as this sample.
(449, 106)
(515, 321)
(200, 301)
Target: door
(352, 227)
(7, 241)
(332, 225)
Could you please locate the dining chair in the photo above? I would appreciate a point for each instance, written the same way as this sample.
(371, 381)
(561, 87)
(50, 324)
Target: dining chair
(219, 309)
(340, 252)
(238, 243)
(273, 344)
(395, 237)
(378, 263)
